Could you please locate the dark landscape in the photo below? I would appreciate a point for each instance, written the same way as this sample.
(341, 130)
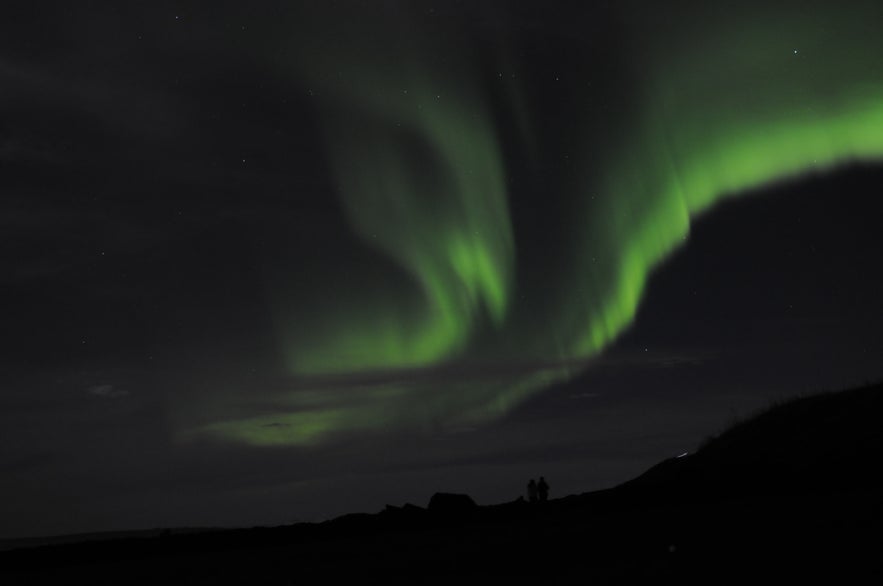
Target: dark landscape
(791, 494)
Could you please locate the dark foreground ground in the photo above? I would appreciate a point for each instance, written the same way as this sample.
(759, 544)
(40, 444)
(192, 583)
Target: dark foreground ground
(791, 495)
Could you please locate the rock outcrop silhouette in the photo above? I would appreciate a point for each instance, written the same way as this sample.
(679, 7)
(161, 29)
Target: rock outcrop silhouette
(451, 504)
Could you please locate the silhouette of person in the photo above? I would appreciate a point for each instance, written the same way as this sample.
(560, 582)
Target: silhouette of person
(532, 491)
(543, 489)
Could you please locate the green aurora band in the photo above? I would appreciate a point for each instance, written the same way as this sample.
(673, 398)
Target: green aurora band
(422, 180)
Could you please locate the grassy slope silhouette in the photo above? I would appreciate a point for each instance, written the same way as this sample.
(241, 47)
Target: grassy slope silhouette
(791, 494)
(816, 444)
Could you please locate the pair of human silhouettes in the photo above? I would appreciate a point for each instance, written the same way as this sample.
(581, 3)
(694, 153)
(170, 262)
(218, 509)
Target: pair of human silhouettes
(538, 491)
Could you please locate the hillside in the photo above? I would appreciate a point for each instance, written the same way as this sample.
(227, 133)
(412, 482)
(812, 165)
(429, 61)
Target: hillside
(818, 444)
(789, 494)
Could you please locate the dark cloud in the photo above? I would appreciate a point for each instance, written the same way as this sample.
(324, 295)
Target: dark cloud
(108, 391)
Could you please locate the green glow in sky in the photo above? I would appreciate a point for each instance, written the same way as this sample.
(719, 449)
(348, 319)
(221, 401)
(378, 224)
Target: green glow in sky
(421, 177)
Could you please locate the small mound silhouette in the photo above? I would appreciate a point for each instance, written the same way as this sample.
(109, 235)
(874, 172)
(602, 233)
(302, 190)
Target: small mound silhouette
(447, 503)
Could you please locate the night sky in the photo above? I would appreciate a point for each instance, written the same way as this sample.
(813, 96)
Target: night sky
(266, 262)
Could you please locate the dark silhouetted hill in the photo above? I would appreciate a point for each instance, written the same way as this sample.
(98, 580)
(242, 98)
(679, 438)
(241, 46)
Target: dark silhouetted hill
(830, 442)
(790, 495)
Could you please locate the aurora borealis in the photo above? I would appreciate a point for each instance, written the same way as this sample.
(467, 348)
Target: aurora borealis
(414, 153)
(295, 259)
